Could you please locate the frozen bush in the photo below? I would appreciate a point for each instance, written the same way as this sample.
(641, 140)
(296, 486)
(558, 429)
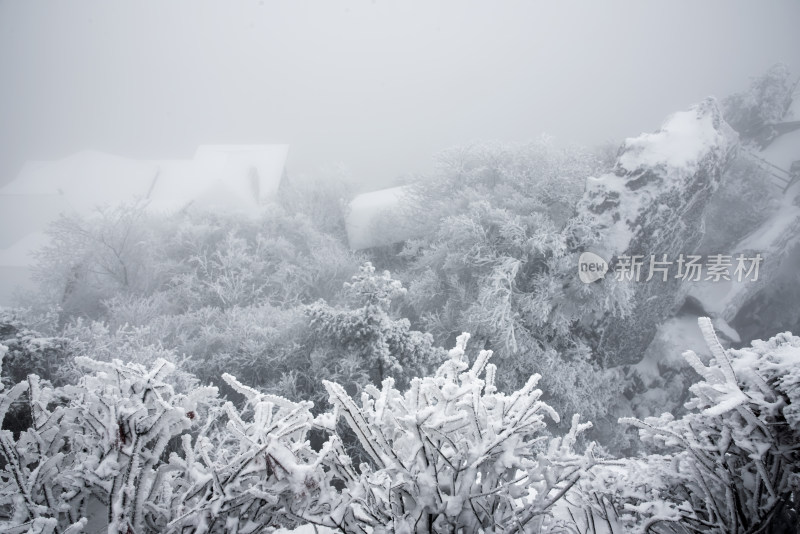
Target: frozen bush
(732, 464)
(104, 448)
(452, 454)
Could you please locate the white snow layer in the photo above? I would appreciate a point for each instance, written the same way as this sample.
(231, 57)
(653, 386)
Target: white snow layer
(677, 148)
(682, 141)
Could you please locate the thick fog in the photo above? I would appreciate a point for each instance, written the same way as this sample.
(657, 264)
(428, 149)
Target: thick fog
(399, 267)
(372, 87)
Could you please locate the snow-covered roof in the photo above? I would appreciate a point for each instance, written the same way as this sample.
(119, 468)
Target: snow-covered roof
(87, 177)
(246, 175)
(20, 254)
(219, 177)
(374, 219)
(241, 177)
(21, 215)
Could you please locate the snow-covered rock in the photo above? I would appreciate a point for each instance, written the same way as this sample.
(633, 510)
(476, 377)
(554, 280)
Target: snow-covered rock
(653, 204)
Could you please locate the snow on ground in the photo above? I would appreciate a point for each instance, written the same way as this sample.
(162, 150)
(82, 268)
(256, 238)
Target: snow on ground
(771, 238)
(713, 296)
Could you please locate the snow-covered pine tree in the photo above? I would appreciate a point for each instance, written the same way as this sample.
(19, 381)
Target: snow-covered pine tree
(366, 330)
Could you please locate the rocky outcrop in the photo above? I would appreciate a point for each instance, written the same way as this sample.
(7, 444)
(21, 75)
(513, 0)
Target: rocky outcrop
(653, 203)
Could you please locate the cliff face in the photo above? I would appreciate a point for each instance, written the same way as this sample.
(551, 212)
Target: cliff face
(653, 204)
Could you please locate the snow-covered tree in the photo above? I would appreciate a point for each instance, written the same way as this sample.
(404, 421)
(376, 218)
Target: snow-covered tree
(764, 103)
(510, 278)
(366, 330)
(92, 258)
(190, 260)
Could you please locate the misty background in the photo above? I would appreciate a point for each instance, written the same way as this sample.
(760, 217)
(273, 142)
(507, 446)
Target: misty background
(372, 87)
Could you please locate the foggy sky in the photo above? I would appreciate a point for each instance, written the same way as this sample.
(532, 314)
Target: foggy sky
(375, 86)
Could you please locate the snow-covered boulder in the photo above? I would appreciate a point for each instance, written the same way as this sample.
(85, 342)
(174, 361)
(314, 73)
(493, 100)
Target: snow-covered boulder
(653, 203)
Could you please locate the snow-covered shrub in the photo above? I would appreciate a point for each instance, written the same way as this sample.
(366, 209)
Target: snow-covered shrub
(497, 258)
(278, 258)
(452, 454)
(259, 472)
(106, 449)
(732, 464)
(275, 348)
(526, 177)
(92, 448)
(130, 344)
(320, 198)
